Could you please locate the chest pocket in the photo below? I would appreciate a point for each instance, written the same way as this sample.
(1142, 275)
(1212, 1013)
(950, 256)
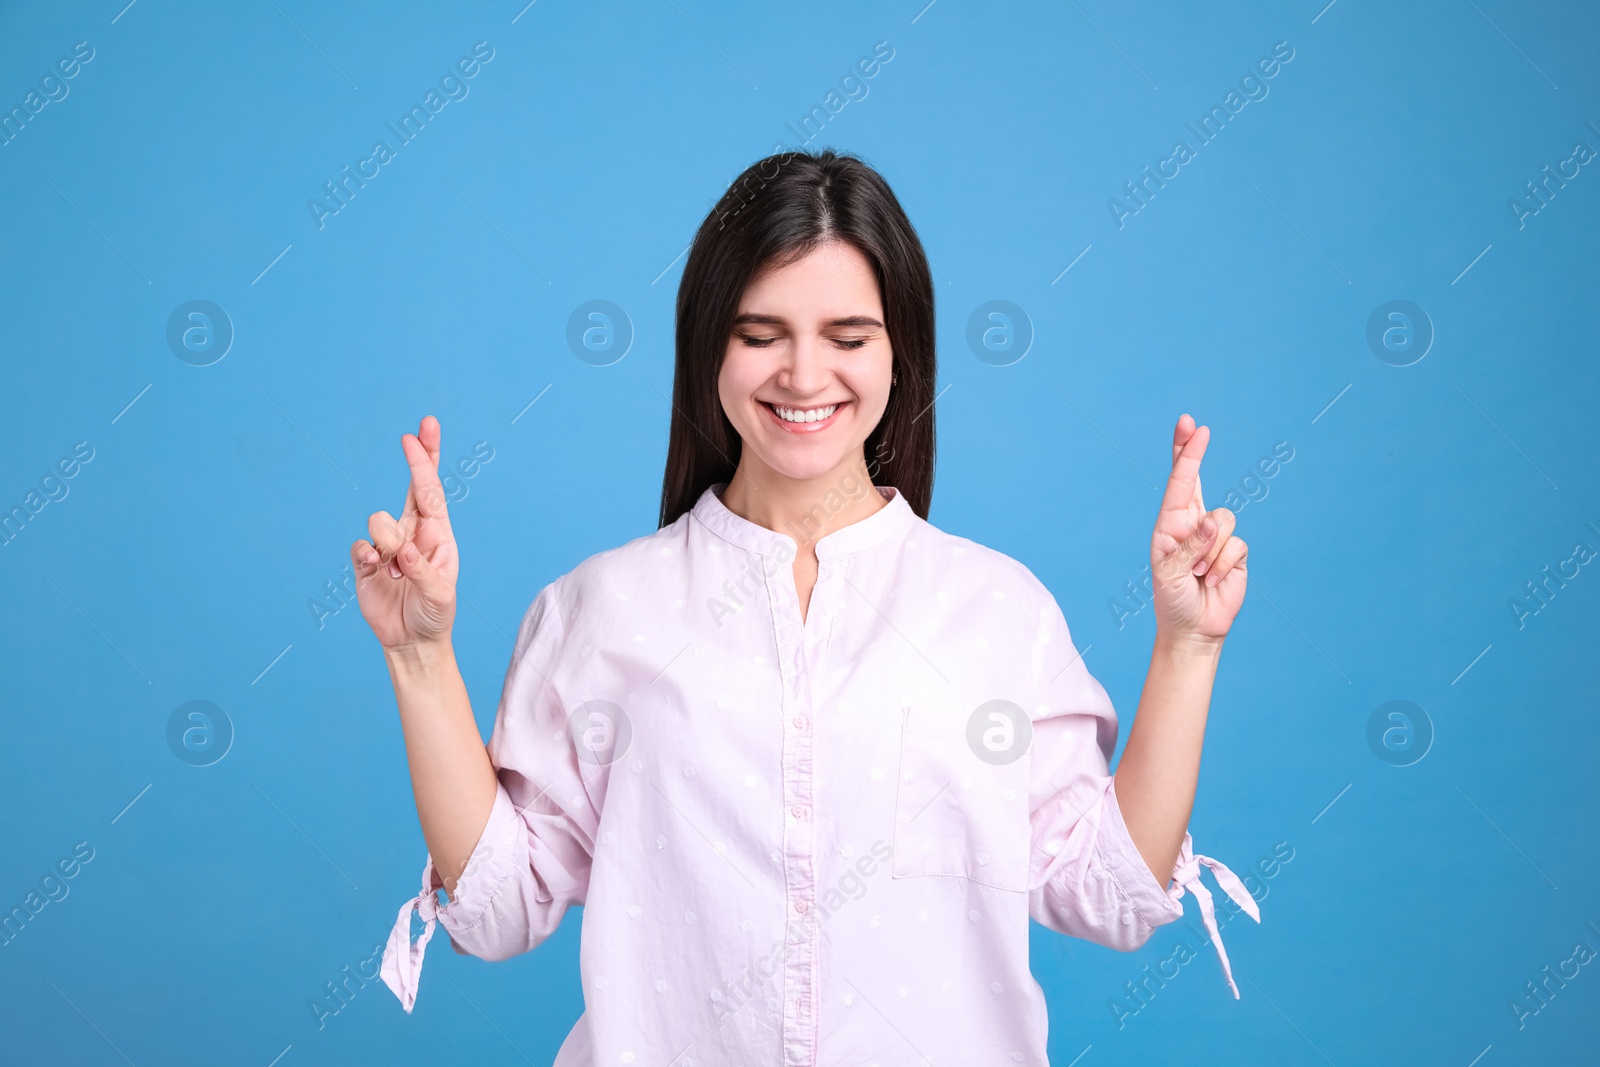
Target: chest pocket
(956, 814)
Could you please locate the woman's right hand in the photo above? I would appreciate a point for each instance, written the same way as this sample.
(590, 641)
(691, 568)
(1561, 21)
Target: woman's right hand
(406, 575)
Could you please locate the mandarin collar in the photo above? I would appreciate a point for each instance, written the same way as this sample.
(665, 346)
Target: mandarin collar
(895, 518)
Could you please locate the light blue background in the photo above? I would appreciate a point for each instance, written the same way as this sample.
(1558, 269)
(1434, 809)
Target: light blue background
(1382, 560)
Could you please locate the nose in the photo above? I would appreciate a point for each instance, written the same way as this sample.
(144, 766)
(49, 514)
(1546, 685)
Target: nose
(805, 373)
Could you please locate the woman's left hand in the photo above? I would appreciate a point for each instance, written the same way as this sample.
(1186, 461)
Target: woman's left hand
(1197, 566)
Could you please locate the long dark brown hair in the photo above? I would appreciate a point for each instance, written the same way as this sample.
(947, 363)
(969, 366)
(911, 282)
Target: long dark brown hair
(774, 213)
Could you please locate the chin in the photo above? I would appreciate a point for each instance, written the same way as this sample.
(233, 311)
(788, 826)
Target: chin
(804, 468)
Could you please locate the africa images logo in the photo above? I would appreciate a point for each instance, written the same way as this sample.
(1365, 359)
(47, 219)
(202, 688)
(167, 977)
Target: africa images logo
(1253, 85)
(452, 84)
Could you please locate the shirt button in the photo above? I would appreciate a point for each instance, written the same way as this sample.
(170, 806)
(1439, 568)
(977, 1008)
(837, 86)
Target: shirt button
(799, 722)
(799, 811)
(801, 906)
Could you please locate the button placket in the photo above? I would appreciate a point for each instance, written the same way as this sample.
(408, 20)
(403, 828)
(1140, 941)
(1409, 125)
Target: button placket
(800, 1005)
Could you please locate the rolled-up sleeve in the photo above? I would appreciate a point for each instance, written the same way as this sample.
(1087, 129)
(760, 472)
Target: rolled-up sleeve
(533, 857)
(1087, 877)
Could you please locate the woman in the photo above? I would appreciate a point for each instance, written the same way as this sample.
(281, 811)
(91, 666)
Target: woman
(809, 762)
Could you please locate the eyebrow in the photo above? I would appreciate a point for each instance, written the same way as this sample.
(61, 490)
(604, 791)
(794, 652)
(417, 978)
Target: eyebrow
(755, 318)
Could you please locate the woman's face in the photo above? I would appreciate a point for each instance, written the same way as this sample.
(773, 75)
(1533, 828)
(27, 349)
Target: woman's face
(806, 375)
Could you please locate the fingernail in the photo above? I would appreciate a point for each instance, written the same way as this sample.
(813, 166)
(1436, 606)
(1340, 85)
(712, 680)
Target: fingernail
(409, 552)
(1208, 526)
(1200, 568)
(1211, 579)
(394, 572)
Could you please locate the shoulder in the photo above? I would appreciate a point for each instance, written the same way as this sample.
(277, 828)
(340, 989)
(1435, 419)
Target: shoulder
(982, 572)
(1004, 600)
(619, 577)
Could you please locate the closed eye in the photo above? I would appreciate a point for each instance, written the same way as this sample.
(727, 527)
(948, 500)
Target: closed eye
(846, 343)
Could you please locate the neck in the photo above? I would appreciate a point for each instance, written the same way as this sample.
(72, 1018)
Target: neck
(807, 509)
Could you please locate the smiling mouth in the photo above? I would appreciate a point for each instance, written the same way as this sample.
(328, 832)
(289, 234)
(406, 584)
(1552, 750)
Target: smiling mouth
(804, 420)
(788, 414)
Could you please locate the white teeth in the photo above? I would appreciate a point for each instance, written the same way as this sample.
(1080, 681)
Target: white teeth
(804, 415)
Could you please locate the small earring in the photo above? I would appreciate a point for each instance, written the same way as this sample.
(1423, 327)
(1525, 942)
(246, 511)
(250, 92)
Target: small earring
(893, 378)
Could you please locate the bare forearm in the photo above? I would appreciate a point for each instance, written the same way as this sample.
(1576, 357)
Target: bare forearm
(1160, 766)
(451, 776)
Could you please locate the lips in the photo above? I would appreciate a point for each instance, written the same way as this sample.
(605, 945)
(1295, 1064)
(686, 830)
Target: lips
(804, 427)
